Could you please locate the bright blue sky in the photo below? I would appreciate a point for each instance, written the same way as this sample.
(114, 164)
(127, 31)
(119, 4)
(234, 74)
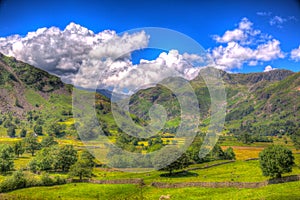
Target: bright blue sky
(197, 19)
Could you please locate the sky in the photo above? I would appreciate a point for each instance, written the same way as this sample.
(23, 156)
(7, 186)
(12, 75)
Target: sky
(238, 36)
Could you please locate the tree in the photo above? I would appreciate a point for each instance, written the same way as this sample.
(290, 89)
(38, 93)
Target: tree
(169, 159)
(32, 144)
(38, 129)
(229, 154)
(33, 166)
(19, 148)
(65, 158)
(6, 158)
(11, 132)
(276, 160)
(296, 139)
(216, 153)
(245, 138)
(45, 159)
(88, 158)
(23, 133)
(81, 169)
(56, 129)
(48, 141)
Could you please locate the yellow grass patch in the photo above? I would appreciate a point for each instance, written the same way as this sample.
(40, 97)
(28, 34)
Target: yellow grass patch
(178, 140)
(143, 143)
(68, 122)
(244, 153)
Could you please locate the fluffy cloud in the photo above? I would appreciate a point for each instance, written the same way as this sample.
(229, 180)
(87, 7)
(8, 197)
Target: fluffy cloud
(269, 68)
(244, 34)
(87, 59)
(244, 45)
(295, 54)
(123, 74)
(63, 52)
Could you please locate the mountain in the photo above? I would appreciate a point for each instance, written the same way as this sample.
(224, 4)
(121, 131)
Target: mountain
(265, 103)
(24, 88)
(30, 96)
(260, 103)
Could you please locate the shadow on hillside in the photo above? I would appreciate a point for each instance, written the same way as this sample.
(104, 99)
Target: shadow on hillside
(179, 174)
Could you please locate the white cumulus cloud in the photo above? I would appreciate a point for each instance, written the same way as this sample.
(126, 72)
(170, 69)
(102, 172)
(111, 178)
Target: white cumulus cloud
(63, 52)
(87, 59)
(269, 68)
(295, 54)
(244, 45)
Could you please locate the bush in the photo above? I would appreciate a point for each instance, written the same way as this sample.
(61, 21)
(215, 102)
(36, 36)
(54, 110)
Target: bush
(20, 180)
(59, 180)
(229, 154)
(33, 166)
(16, 181)
(23, 133)
(11, 131)
(47, 180)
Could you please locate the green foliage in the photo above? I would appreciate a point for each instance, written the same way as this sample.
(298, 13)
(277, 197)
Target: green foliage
(276, 160)
(229, 154)
(11, 131)
(296, 139)
(23, 133)
(38, 129)
(32, 144)
(66, 157)
(239, 113)
(172, 157)
(45, 159)
(55, 158)
(6, 158)
(56, 129)
(33, 165)
(19, 148)
(46, 179)
(20, 180)
(245, 138)
(7, 123)
(88, 158)
(81, 169)
(16, 181)
(48, 141)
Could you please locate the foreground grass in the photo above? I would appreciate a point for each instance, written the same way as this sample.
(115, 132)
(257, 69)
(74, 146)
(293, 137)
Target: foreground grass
(85, 191)
(240, 171)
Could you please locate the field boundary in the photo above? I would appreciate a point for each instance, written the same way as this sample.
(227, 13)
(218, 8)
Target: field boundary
(136, 181)
(209, 166)
(227, 184)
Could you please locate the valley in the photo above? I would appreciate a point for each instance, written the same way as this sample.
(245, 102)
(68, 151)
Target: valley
(36, 109)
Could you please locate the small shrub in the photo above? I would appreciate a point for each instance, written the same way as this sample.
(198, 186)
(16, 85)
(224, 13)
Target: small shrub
(47, 180)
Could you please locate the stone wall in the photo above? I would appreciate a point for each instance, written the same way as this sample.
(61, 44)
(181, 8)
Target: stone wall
(227, 184)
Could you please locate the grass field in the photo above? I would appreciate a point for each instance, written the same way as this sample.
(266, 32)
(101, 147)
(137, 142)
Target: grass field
(85, 191)
(241, 171)
(238, 171)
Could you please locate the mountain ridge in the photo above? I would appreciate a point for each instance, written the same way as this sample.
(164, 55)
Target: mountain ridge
(257, 100)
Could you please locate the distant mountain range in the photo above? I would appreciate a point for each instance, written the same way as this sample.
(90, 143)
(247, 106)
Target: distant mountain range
(260, 103)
